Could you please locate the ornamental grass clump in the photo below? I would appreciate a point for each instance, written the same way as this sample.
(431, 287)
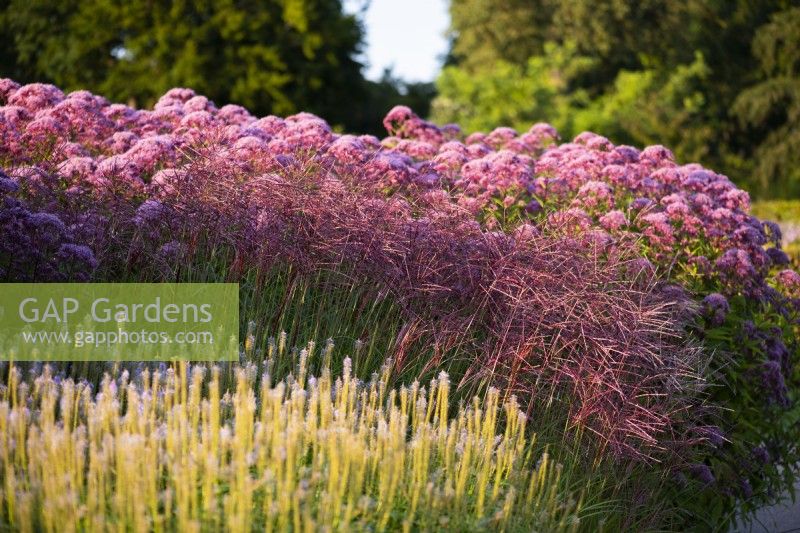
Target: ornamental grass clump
(174, 450)
(541, 315)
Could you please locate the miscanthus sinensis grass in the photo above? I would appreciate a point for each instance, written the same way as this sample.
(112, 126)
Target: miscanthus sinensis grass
(173, 450)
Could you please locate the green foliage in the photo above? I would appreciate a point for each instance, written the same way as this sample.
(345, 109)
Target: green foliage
(715, 81)
(642, 107)
(279, 56)
(773, 105)
(778, 210)
(649, 106)
(516, 95)
(483, 34)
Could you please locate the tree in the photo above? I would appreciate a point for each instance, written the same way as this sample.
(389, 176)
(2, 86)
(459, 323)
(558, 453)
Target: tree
(772, 107)
(272, 56)
(485, 31)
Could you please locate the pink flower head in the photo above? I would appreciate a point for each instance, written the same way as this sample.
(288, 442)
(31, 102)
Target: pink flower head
(735, 199)
(44, 129)
(625, 154)
(70, 149)
(348, 150)
(613, 220)
(271, 125)
(790, 280)
(735, 263)
(121, 142)
(36, 96)
(475, 138)
(478, 150)
(15, 115)
(234, 114)
(544, 133)
(390, 169)
(500, 136)
(123, 116)
(419, 150)
(618, 175)
(594, 141)
(199, 103)
(370, 141)
(657, 155)
(397, 119)
(7, 88)
(250, 148)
(497, 172)
(176, 96)
(594, 194)
(78, 167)
(449, 162)
(149, 152)
(165, 182)
(453, 146)
(658, 229)
(198, 120)
(570, 219)
(119, 167)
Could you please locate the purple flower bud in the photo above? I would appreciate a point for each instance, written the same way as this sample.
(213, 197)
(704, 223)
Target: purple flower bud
(778, 256)
(7, 185)
(46, 222)
(534, 207)
(773, 231)
(747, 489)
(80, 253)
(774, 383)
(702, 473)
(716, 307)
(640, 203)
(761, 455)
(150, 211)
(713, 434)
(750, 329)
(170, 251)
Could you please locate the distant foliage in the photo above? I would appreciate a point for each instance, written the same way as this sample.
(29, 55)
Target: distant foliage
(710, 79)
(272, 57)
(773, 105)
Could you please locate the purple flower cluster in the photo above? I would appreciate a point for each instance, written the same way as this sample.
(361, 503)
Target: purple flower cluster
(686, 213)
(702, 473)
(716, 308)
(38, 246)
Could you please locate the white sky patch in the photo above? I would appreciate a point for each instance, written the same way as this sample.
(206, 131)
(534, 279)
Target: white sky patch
(408, 35)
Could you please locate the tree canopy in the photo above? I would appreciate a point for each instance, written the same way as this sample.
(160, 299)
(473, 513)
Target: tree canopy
(271, 56)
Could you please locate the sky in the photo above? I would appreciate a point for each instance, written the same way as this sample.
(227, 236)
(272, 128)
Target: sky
(406, 34)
